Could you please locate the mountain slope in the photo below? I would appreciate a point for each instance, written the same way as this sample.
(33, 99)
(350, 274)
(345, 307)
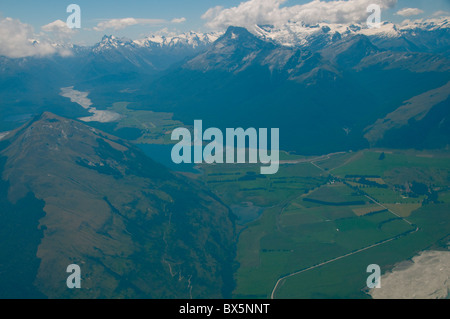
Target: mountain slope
(29, 86)
(139, 231)
(322, 85)
(322, 101)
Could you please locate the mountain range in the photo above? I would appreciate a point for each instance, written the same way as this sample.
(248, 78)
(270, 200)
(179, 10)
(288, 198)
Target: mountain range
(429, 35)
(323, 100)
(72, 193)
(327, 87)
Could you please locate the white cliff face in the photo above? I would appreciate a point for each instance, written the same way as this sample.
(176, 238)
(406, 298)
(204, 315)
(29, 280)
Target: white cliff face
(426, 277)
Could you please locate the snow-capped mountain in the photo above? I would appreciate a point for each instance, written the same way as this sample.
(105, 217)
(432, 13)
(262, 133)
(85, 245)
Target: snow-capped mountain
(326, 91)
(431, 35)
(112, 43)
(153, 53)
(189, 39)
(321, 78)
(318, 36)
(426, 24)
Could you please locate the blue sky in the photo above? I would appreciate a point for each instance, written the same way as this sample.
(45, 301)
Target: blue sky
(40, 13)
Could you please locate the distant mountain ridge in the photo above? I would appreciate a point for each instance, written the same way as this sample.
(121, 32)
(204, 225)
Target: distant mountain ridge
(192, 39)
(298, 34)
(407, 36)
(328, 83)
(430, 35)
(322, 99)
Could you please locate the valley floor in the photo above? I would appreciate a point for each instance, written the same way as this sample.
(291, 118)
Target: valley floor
(325, 219)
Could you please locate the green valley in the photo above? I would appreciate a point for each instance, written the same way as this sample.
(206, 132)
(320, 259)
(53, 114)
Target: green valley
(324, 219)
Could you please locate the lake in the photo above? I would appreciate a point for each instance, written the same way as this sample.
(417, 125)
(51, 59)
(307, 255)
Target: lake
(246, 212)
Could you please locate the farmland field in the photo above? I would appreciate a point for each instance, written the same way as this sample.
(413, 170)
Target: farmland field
(352, 207)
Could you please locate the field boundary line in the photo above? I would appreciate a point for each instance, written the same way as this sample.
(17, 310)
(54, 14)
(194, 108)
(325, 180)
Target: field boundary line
(338, 258)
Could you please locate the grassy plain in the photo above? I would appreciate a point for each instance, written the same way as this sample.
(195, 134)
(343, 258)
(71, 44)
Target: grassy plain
(155, 127)
(318, 209)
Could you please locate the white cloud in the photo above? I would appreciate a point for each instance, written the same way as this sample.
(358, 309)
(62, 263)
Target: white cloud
(212, 13)
(59, 30)
(58, 26)
(178, 20)
(18, 40)
(118, 24)
(272, 12)
(432, 23)
(409, 12)
(441, 13)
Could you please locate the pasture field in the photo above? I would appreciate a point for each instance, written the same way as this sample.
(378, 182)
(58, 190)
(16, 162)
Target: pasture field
(317, 210)
(151, 127)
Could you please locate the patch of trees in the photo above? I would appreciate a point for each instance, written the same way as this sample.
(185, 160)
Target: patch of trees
(421, 189)
(362, 176)
(349, 203)
(371, 183)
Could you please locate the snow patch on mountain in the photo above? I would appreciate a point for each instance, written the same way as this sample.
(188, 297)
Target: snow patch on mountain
(302, 34)
(189, 39)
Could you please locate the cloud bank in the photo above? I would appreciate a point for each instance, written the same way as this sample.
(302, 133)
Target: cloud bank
(59, 30)
(441, 13)
(409, 12)
(18, 40)
(272, 12)
(118, 24)
(178, 20)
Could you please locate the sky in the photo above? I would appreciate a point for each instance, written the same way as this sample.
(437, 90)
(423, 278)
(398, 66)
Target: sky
(139, 18)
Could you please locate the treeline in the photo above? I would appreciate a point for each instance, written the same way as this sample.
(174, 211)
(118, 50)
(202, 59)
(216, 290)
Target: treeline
(362, 176)
(364, 181)
(350, 203)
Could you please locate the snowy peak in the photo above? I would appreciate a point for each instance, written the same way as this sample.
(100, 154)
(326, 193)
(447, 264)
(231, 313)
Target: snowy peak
(426, 24)
(234, 49)
(300, 34)
(111, 42)
(386, 29)
(189, 39)
(292, 34)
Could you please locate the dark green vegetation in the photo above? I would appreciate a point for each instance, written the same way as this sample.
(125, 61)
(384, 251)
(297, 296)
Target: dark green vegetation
(20, 238)
(322, 208)
(135, 229)
(140, 126)
(240, 183)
